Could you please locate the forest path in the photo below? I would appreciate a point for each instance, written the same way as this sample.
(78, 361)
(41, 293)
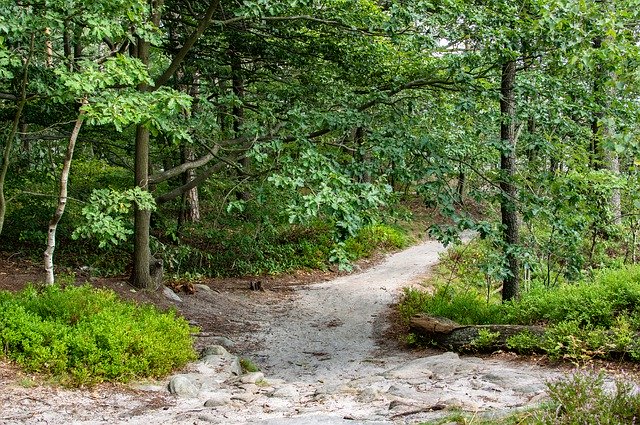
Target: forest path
(323, 357)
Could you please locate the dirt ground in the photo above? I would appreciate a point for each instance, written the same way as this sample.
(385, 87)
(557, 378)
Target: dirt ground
(332, 338)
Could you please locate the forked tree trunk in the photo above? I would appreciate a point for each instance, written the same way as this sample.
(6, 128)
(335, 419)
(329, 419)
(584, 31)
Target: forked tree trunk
(511, 283)
(62, 199)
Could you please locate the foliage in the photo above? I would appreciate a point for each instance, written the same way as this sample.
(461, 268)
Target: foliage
(586, 399)
(248, 365)
(323, 112)
(464, 307)
(107, 213)
(84, 336)
(375, 237)
(251, 249)
(592, 318)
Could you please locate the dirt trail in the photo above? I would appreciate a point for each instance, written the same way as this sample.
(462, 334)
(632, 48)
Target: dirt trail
(329, 332)
(318, 350)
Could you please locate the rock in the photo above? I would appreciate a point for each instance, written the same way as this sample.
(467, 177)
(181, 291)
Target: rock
(515, 380)
(203, 287)
(212, 360)
(235, 367)
(252, 378)
(167, 292)
(288, 391)
(244, 397)
(369, 394)
(214, 350)
(218, 400)
(183, 386)
(222, 340)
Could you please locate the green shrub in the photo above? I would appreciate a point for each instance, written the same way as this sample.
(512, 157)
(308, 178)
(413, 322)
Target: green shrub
(84, 336)
(374, 237)
(599, 318)
(465, 307)
(583, 399)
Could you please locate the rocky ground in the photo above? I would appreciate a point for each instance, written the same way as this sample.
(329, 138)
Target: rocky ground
(325, 351)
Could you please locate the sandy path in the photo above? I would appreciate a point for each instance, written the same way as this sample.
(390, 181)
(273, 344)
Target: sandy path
(328, 333)
(317, 350)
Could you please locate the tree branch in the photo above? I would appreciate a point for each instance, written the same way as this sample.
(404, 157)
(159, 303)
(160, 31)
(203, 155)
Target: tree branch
(176, 171)
(179, 57)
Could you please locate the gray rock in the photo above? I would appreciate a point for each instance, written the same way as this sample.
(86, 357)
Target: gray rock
(244, 397)
(235, 367)
(515, 380)
(183, 386)
(288, 391)
(213, 360)
(222, 340)
(441, 366)
(167, 292)
(218, 400)
(252, 378)
(203, 287)
(214, 350)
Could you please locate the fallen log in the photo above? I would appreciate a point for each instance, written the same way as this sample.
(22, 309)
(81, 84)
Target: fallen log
(450, 335)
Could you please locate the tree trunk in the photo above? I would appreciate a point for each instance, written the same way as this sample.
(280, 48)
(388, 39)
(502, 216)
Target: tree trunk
(142, 261)
(511, 283)
(452, 336)
(141, 277)
(62, 199)
(6, 154)
(190, 212)
(615, 202)
(601, 130)
(238, 114)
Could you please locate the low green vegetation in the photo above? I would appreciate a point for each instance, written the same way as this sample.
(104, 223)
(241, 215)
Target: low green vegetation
(582, 399)
(591, 318)
(81, 335)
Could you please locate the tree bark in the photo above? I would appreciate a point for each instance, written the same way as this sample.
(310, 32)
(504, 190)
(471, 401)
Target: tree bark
(142, 262)
(238, 113)
(190, 212)
(452, 336)
(6, 154)
(511, 238)
(62, 199)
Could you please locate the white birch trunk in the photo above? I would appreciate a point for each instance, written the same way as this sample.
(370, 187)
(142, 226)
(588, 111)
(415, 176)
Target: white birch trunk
(62, 200)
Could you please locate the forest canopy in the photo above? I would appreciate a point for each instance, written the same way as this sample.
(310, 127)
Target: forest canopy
(198, 132)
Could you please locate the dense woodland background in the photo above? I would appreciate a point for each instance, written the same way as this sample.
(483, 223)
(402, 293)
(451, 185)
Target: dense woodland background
(249, 137)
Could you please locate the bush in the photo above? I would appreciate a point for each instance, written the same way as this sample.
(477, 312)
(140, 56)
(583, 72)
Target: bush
(600, 318)
(465, 307)
(84, 336)
(373, 237)
(583, 399)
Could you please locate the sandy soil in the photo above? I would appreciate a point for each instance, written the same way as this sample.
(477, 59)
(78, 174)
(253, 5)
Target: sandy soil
(324, 336)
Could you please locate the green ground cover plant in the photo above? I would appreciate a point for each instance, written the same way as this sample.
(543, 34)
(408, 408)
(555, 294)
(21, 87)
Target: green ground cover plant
(597, 317)
(81, 335)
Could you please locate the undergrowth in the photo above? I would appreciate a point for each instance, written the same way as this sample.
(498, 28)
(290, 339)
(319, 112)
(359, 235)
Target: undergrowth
(596, 318)
(251, 250)
(81, 335)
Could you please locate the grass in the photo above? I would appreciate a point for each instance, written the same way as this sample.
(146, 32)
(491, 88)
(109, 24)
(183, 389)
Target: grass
(597, 318)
